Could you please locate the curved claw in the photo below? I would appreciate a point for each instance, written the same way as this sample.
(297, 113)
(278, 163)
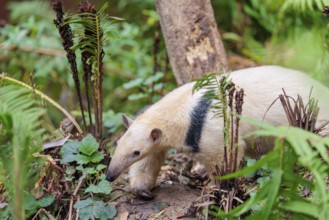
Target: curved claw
(145, 195)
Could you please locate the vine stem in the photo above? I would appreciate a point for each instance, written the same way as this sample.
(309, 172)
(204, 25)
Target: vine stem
(44, 96)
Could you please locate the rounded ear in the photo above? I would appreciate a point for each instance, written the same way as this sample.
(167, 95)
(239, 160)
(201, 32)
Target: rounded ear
(126, 121)
(156, 134)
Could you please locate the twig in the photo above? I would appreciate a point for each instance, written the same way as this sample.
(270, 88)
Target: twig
(41, 51)
(207, 212)
(77, 216)
(49, 216)
(70, 209)
(73, 197)
(78, 187)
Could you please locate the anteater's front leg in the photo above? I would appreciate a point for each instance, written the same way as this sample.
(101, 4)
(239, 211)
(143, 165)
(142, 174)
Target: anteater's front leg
(143, 174)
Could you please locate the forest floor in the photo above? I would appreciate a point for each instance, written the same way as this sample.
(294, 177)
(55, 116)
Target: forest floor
(176, 192)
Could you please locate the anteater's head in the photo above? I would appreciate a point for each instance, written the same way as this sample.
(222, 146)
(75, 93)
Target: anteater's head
(140, 140)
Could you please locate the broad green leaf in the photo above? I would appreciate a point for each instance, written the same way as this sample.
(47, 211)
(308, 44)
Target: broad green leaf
(303, 207)
(69, 151)
(82, 159)
(90, 170)
(97, 157)
(31, 203)
(68, 158)
(87, 213)
(100, 167)
(274, 185)
(80, 168)
(112, 121)
(88, 145)
(102, 176)
(103, 187)
(92, 209)
(83, 203)
(133, 83)
(153, 78)
(69, 147)
(137, 96)
(157, 86)
(104, 211)
(247, 170)
(46, 201)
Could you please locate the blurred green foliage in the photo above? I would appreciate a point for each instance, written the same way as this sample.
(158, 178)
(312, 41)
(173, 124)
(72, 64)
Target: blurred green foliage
(21, 135)
(279, 194)
(32, 45)
(288, 33)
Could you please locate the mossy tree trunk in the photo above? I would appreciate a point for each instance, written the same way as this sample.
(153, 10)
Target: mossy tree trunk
(192, 39)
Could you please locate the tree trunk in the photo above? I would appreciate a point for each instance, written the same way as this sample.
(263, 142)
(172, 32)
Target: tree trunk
(192, 39)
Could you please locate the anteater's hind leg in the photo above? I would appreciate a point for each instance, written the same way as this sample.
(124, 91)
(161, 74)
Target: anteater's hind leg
(143, 174)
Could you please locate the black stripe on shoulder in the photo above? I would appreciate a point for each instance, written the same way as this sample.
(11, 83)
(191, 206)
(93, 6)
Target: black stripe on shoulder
(197, 120)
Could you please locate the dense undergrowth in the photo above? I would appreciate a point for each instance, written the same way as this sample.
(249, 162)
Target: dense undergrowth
(292, 178)
(56, 182)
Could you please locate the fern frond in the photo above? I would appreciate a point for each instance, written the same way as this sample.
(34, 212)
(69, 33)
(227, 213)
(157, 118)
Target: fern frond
(303, 5)
(17, 99)
(216, 89)
(8, 95)
(97, 28)
(293, 147)
(21, 135)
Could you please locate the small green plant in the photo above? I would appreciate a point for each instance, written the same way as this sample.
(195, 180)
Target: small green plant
(95, 209)
(33, 204)
(86, 174)
(82, 152)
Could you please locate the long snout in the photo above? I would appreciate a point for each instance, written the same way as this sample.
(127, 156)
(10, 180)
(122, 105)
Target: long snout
(115, 168)
(111, 174)
(110, 177)
(117, 165)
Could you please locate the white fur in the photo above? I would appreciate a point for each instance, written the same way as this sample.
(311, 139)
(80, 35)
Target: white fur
(262, 85)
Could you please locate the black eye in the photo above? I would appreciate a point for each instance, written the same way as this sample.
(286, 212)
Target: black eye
(136, 153)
